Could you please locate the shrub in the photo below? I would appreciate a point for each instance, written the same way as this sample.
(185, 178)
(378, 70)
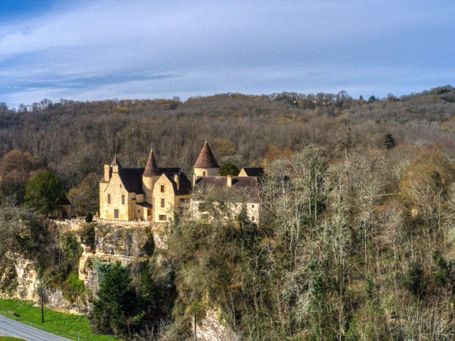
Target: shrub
(414, 280)
(89, 217)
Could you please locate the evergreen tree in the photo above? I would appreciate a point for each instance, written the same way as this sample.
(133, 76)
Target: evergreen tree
(116, 308)
(229, 169)
(44, 192)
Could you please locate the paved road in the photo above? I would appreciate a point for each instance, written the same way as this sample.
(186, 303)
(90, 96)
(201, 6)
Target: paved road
(10, 327)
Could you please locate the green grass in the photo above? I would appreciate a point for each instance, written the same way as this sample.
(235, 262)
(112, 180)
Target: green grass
(66, 325)
(9, 338)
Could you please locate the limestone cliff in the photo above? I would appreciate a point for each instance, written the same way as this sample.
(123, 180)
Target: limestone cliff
(111, 243)
(101, 244)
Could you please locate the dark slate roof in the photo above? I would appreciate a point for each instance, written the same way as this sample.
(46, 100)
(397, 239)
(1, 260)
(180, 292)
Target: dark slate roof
(170, 170)
(206, 159)
(184, 184)
(151, 167)
(254, 171)
(243, 185)
(132, 177)
(144, 204)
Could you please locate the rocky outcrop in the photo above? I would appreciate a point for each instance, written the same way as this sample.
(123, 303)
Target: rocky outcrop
(23, 273)
(25, 277)
(112, 243)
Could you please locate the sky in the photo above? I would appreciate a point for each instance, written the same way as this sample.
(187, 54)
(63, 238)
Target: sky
(106, 49)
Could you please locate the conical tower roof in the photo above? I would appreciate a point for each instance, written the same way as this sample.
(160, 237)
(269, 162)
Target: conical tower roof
(151, 167)
(206, 159)
(116, 162)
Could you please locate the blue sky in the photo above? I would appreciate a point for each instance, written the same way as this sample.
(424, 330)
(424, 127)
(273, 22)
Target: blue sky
(99, 49)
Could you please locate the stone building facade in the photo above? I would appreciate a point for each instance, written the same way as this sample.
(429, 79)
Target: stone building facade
(157, 194)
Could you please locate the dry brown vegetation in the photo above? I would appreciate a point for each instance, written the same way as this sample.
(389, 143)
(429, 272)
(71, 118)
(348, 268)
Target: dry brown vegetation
(75, 138)
(357, 238)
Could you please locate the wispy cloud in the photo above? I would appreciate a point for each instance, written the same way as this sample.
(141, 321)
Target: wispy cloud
(141, 48)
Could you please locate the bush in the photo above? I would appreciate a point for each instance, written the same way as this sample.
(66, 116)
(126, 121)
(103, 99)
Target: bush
(89, 217)
(414, 280)
(73, 287)
(88, 236)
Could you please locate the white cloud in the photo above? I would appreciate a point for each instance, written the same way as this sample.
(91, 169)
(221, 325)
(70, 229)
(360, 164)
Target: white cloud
(98, 49)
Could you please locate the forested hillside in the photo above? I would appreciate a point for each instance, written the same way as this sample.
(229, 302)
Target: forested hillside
(357, 236)
(75, 138)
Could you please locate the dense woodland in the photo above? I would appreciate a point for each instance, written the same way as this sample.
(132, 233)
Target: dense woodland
(76, 138)
(357, 239)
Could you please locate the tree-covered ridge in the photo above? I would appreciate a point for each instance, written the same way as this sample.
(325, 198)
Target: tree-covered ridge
(349, 250)
(75, 138)
(356, 241)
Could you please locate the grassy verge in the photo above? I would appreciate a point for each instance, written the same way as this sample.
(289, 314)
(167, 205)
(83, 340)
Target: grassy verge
(9, 338)
(66, 325)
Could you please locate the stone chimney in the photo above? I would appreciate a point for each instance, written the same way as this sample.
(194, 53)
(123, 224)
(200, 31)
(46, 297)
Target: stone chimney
(107, 173)
(229, 180)
(177, 181)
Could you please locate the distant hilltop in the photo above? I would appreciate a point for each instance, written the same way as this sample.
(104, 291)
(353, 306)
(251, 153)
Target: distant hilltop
(75, 138)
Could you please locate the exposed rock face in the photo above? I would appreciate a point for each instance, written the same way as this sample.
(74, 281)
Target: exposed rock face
(27, 285)
(114, 244)
(26, 277)
(120, 241)
(55, 300)
(213, 328)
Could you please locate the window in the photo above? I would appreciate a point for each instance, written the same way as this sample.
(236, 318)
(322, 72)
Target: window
(108, 198)
(149, 212)
(123, 200)
(162, 188)
(162, 217)
(252, 218)
(116, 215)
(162, 203)
(203, 173)
(252, 206)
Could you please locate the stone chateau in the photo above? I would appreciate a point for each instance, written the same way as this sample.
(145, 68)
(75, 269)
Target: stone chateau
(158, 194)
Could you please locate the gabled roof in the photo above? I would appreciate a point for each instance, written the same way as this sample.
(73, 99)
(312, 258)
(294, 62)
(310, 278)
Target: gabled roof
(247, 186)
(151, 167)
(184, 186)
(253, 171)
(206, 159)
(132, 177)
